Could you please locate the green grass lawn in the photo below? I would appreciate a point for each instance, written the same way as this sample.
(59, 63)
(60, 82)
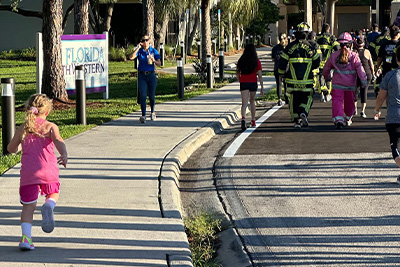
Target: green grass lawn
(122, 98)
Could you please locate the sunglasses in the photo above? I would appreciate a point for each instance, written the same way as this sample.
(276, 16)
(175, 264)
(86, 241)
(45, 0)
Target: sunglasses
(145, 40)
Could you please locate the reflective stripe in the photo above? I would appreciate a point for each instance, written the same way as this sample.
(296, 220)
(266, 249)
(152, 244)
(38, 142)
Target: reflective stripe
(281, 71)
(285, 56)
(293, 81)
(300, 60)
(345, 71)
(342, 87)
(338, 118)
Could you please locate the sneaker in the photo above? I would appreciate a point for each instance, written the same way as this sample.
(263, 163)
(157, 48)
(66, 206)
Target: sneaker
(303, 117)
(47, 218)
(142, 119)
(322, 97)
(253, 123)
(363, 115)
(153, 116)
(339, 125)
(279, 102)
(26, 243)
(348, 121)
(328, 98)
(355, 112)
(243, 125)
(297, 124)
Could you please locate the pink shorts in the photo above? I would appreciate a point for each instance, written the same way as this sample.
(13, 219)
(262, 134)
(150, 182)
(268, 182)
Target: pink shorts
(30, 193)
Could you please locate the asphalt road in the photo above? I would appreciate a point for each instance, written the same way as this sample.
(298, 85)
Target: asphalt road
(314, 196)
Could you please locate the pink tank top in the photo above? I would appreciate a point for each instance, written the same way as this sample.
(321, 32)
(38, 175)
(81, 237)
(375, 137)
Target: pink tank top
(38, 161)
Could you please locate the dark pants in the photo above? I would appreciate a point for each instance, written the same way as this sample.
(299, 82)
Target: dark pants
(278, 85)
(300, 102)
(147, 83)
(393, 130)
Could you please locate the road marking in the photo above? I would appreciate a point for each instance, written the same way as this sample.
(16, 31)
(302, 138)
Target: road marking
(233, 148)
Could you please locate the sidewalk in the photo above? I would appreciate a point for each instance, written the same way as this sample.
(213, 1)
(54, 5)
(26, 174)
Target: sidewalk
(109, 211)
(229, 62)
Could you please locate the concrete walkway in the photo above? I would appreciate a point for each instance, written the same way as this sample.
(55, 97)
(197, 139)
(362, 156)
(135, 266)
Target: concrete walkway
(119, 203)
(264, 53)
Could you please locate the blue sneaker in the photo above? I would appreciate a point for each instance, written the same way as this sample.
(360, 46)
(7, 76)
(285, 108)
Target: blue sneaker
(47, 218)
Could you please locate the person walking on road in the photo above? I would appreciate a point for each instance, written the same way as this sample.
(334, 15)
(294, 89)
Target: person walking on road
(39, 171)
(147, 78)
(328, 44)
(390, 91)
(247, 70)
(368, 65)
(276, 55)
(346, 68)
(296, 66)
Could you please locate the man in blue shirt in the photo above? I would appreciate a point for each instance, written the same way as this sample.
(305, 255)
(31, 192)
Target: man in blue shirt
(374, 34)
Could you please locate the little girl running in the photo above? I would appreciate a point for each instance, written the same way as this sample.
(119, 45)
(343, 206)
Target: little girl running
(39, 171)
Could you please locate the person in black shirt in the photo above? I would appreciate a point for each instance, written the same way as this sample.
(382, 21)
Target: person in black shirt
(276, 54)
(387, 52)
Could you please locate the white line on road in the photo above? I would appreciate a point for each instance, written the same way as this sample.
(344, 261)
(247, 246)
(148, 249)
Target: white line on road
(233, 148)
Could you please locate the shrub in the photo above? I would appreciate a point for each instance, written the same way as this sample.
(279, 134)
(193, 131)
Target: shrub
(19, 54)
(117, 54)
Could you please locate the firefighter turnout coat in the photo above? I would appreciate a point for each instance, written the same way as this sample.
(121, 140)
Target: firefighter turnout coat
(297, 62)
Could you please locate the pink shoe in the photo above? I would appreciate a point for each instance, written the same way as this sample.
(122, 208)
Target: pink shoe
(26, 243)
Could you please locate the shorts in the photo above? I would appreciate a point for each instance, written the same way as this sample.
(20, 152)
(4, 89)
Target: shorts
(30, 193)
(252, 87)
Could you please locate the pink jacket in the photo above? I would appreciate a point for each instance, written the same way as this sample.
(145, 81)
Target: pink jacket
(345, 75)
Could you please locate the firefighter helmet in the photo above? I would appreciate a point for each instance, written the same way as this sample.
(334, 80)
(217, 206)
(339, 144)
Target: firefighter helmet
(345, 38)
(303, 27)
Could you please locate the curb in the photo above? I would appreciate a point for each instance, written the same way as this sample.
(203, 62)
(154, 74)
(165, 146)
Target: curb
(171, 205)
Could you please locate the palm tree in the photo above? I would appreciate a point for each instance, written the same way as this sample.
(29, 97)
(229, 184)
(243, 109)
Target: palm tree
(53, 83)
(242, 12)
(81, 13)
(205, 30)
(164, 11)
(148, 18)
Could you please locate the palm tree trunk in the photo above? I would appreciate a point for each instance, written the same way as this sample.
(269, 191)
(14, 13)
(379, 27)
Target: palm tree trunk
(107, 21)
(205, 31)
(161, 29)
(148, 19)
(193, 32)
(81, 19)
(53, 83)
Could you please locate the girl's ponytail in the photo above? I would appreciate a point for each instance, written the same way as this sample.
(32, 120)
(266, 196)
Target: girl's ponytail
(37, 104)
(344, 55)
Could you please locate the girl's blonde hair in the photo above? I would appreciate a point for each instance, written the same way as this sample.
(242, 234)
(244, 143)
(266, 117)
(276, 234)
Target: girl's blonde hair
(36, 105)
(344, 54)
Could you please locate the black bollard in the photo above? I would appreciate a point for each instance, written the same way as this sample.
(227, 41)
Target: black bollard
(209, 72)
(162, 54)
(199, 50)
(7, 111)
(221, 64)
(269, 39)
(181, 78)
(80, 88)
(237, 43)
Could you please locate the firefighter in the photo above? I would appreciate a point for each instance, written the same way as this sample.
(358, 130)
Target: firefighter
(374, 47)
(327, 43)
(387, 52)
(296, 64)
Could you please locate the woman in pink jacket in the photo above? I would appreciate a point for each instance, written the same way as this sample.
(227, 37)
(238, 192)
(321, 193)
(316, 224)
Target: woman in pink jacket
(346, 67)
